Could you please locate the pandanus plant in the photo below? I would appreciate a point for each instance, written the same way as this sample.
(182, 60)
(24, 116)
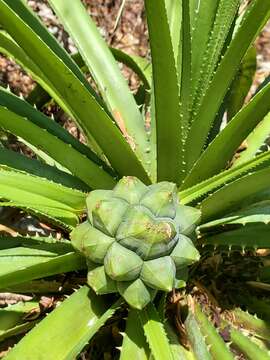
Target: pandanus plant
(158, 183)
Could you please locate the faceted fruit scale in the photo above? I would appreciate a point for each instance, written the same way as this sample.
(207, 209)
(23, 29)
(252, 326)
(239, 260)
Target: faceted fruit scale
(136, 239)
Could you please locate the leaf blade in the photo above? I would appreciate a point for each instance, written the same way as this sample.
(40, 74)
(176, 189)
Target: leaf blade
(134, 340)
(229, 139)
(78, 164)
(167, 107)
(50, 339)
(14, 160)
(235, 195)
(22, 264)
(72, 91)
(155, 333)
(107, 74)
(29, 189)
(253, 21)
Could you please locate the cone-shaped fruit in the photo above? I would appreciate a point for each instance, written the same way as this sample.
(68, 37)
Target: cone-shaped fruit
(93, 198)
(136, 293)
(130, 189)
(107, 215)
(184, 252)
(138, 234)
(161, 199)
(92, 242)
(122, 264)
(100, 281)
(187, 217)
(159, 273)
(156, 236)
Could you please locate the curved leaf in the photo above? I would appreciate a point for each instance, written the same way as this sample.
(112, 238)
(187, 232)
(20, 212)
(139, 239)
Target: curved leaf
(100, 61)
(254, 19)
(70, 89)
(13, 318)
(155, 333)
(54, 337)
(229, 139)
(78, 164)
(167, 103)
(141, 66)
(35, 191)
(134, 341)
(235, 195)
(21, 264)
(14, 160)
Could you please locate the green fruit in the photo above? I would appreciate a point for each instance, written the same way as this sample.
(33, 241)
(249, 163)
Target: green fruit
(140, 235)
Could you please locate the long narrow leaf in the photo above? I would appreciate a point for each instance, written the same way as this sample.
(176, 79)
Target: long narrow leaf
(217, 347)
(134, 340)
(200, 190)
(86, 110)
(185, 88)
(40, 95)
(235, 195)
(22, 108)
(247, 346)
(229, 139)
(55, 339)
(242, 83)
(255, 325)
(225, 14)
(196, 338)
(22, 264)
(155, 333)
(253, 21)
(29, 189)
(167, 107)
(141, 66)
(255, 141)
(14, 160)
(98, 57)
(204, 15)
(253, 214)
(174, 13)
(78, 164)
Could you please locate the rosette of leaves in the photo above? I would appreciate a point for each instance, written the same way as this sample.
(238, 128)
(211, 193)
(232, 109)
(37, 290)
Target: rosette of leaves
(135, 239)
(168, 132)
